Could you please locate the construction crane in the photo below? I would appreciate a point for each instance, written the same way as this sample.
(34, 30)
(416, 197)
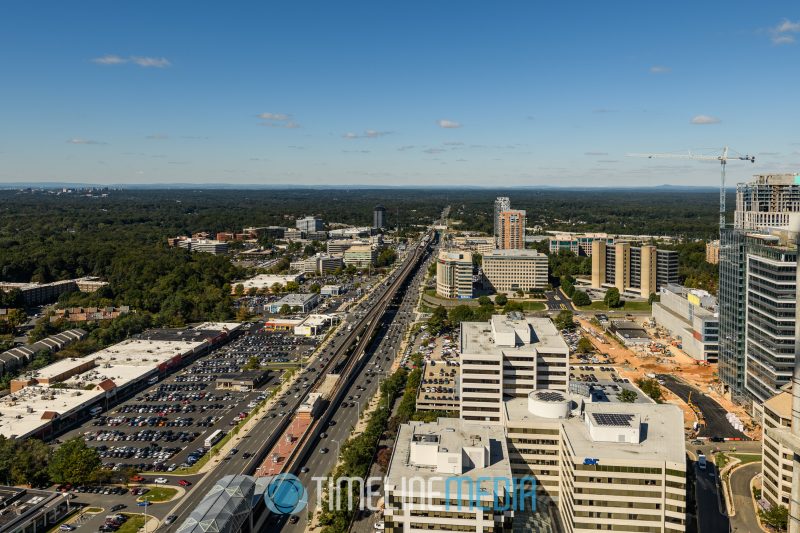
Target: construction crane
(723, 161)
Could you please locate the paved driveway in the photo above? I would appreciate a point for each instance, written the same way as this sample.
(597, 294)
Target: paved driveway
(745, 518)
(716, 423)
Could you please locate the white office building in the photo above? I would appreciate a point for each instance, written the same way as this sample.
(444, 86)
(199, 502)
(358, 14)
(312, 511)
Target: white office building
(690, 315)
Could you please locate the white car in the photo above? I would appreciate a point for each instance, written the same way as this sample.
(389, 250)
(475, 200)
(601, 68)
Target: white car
(161, 480)
(379, 526)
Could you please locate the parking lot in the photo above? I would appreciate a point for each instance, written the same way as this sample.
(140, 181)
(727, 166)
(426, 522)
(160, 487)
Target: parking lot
(603, 382)
(166, 426)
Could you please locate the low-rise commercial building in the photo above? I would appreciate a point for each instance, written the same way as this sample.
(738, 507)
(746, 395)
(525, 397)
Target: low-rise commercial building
(331, 290)
(318, 264)
(690, 315)
(30, 510)
(267, 281)
(478, 245)
(515, 270)
(242, 381)
(297, 303)
(641, 270)
(44, 402)
(454, 274)
(361, 256)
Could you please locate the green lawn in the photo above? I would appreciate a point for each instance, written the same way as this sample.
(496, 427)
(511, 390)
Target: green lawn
(627, 306)
(133, 524)
(159, 494)
(531, 306)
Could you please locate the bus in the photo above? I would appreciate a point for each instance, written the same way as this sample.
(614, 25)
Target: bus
(214, 438)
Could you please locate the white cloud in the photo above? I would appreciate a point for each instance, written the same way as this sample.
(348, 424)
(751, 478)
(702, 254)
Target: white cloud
(78, 140)
(595, 153)
(444, 123)
(368, 134)
(453, 143)
(109, 59)
(151, 62)
(433, 151)
(278, 120)
(781, 34)
(702, 120)
(405, 147)
(157, 137)
(660, 69)
(142, 61)
(274, 116)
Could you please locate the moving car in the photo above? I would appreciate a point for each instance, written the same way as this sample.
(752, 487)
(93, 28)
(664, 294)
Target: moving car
(161, 480)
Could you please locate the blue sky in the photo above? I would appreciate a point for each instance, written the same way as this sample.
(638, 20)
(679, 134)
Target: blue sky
(400, 93)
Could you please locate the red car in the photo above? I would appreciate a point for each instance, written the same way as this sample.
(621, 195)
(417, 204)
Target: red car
(184, 483)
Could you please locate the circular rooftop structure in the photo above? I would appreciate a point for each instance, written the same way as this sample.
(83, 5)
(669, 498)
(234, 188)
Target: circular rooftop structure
(549, 404)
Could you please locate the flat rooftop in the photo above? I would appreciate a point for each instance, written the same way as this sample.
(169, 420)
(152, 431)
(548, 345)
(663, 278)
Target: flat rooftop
(448, 435)
(479, 337)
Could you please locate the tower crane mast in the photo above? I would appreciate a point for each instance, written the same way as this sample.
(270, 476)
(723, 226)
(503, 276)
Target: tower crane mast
(723, 159)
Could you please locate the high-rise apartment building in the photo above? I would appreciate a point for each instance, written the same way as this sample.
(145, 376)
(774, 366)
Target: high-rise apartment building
(767, 201)
(712, 252)
(510, 271)
(309, 224)
(378, 217)
(454, 274)
(512, 229)
(509, 356)
(501, 203)
(639, 269)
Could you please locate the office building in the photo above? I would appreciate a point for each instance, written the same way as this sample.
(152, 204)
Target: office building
(777, 465)
(292, 234)
(578, 243)
(309, 224)
(640, 270)
(512, 230)
(208, 246)
(454, 274)
(478, 245)
(379, 217)
(508, 356)
(317, 264)
(767, 201)
(360, 256)
(691, 316)
(770, 312)
(712, 252)
(509, 271)
(428, 454)
(731, 296)
(501, 203)
(36, 293)
(340, 246)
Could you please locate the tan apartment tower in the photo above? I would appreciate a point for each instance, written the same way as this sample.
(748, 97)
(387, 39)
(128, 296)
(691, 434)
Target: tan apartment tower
(648, 273)
(512, 229)
(622, 265)
(598, 263)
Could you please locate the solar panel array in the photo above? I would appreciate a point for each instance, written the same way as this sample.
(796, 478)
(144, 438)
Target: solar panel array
(612, 419)
(550, 396)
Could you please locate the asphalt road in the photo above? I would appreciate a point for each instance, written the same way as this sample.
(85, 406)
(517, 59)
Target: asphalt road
(557, 302)
(716, 423)
(384, 347)
(745, 518)
(709, 517)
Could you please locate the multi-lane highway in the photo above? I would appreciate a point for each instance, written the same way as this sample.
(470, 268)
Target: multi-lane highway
(340, 355)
